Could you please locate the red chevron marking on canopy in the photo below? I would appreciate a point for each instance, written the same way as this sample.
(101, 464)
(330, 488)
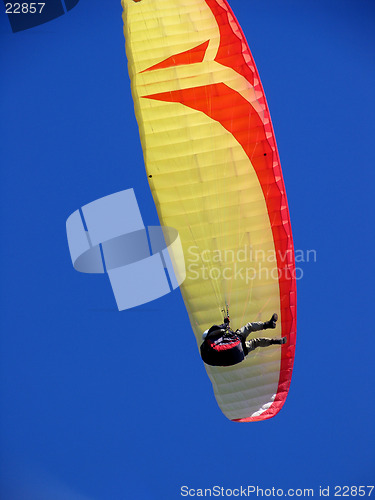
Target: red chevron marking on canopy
(191, 56)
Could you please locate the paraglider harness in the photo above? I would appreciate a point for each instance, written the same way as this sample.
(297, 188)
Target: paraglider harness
(222, 346)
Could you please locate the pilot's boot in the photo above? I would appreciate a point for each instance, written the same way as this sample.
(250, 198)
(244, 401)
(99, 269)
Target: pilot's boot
(271, 323)
(279, 341)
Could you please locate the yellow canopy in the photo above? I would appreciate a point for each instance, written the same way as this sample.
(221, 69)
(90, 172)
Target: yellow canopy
(215, 176)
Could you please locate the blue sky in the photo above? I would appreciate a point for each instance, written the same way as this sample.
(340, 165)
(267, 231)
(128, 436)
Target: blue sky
(87, 411)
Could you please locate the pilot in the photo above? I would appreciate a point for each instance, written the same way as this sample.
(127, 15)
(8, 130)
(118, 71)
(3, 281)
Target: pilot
(222, 346)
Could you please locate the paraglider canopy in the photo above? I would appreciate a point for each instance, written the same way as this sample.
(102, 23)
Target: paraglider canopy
(215, 175)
